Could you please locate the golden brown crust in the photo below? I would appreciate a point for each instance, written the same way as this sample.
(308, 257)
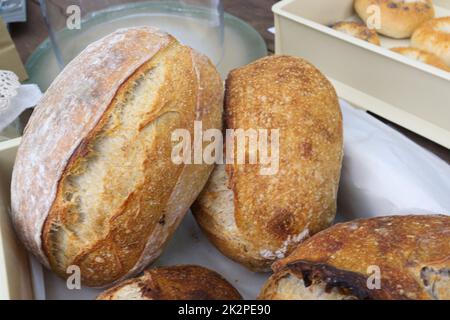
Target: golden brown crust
(399, 18)
(404, 248)
(176, 283)
(256, 218)
(434, 37)
(119, 196)
(89, 84)
(422, 56)
(358, 30)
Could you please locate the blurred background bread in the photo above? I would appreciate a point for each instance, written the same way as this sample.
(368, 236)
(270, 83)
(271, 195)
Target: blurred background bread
(186, 282)
(93, 183)
(399, 18)
(409, 254)
(255, 219)
(434, 36)
(358, 30)
(422, 56)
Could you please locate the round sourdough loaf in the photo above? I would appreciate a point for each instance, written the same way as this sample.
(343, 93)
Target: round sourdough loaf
(255, 219)
(398, 257)
(93, 184)
(184, 282)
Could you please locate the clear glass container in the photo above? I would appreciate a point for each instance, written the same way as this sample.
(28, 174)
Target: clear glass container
(73, 24)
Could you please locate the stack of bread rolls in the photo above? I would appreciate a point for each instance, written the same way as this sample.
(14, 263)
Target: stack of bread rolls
(94, 184)
(402, 19)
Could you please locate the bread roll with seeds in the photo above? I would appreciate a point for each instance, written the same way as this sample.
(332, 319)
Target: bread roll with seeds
(93, 183)
(399, 18)
(174, 283)
(255, 219)
(411, 255)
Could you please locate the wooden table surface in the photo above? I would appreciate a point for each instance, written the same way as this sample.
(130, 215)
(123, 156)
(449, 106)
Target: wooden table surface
(27, 36)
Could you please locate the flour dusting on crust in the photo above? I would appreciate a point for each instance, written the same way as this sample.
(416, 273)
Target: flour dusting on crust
(69, 110)
(281, 252)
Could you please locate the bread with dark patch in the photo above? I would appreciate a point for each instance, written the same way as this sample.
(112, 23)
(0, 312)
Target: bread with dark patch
(174, 283)
(410, 255)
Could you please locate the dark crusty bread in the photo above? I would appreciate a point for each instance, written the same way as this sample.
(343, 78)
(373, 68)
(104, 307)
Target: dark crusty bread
(255, 219)
(411, 252)
(93, 183)
(174, 283)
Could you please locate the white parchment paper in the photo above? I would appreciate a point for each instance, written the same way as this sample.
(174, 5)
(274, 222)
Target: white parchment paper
(384, 173)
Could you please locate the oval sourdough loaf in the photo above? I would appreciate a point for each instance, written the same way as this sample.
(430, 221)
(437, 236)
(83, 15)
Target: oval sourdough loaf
(174, 283)
(410, 255)
(255, 219)
(93, 183)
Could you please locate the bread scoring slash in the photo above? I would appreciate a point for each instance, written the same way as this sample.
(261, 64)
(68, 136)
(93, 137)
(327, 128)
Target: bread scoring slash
(93, 184)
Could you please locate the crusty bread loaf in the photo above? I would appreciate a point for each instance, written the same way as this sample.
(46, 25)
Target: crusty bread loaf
(253, 218)
(93, 183)
(174, 283)
(358, 30)
(412, 254)
(398, 18)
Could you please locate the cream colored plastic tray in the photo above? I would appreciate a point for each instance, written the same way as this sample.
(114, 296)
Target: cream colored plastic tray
(409, 93)
(15, 275)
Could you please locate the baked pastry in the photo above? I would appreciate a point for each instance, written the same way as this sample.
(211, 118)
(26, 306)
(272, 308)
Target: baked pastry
(253, 218)
(398, 18)
(422, 56)
(174, 283)
(409, 256)
(434, 36)
(93, 183)
(358, 30)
